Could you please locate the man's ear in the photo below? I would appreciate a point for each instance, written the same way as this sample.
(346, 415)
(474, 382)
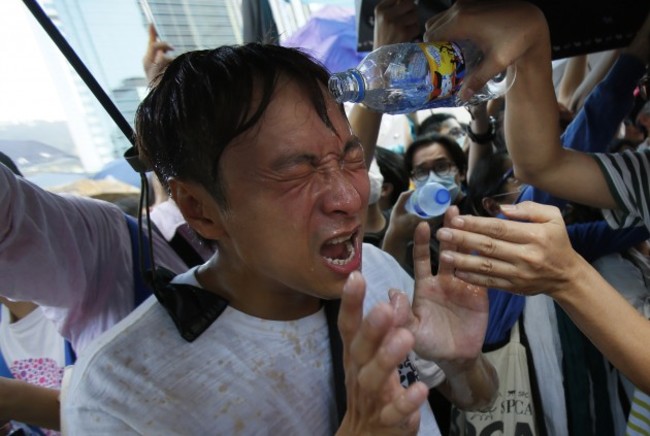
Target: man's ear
(199, 208)
(491, 206)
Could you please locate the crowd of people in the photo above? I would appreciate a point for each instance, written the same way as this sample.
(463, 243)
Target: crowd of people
(282, 287)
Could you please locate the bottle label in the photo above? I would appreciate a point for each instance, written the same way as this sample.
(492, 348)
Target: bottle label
(446, 66)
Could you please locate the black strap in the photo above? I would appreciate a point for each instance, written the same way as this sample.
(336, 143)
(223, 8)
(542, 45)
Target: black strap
(336, 348)
(185, 251)
(192, 309)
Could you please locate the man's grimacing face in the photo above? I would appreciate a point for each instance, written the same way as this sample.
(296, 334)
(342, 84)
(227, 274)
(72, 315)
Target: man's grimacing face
(297, 193)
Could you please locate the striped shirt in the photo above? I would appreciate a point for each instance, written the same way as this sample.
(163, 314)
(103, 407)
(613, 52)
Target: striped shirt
(628, 176)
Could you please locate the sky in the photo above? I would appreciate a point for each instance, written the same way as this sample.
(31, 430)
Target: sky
(27, 91)
(30, 88)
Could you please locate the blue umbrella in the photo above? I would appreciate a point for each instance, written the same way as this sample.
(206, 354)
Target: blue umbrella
(329, 36)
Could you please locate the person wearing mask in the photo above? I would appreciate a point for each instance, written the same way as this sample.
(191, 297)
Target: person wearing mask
(264, 163)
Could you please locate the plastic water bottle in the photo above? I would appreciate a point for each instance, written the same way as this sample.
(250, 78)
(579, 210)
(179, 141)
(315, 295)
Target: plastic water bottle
(406, 77)
(428, 201)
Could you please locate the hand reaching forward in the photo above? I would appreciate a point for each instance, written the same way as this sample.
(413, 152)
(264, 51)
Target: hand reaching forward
(526, 257)
(377, 404)
(448, 316)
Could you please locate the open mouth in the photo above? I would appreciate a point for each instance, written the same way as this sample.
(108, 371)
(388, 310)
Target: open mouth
(339, 251)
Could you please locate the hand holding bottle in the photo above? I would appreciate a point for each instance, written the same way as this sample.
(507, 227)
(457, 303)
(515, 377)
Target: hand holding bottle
(505, 31)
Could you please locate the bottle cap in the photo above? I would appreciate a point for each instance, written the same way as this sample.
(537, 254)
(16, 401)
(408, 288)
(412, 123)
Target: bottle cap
(443, 196)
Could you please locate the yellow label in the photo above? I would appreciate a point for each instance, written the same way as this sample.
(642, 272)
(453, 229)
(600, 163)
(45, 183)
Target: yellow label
(446, 68)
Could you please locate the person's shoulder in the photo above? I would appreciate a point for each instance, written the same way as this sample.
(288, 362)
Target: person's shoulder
(132, 335)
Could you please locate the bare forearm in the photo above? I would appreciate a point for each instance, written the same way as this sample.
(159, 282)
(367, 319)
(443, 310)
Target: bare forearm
(610, 322)
(472, 388)
(31, 404)
(531, 122)
(365, 124)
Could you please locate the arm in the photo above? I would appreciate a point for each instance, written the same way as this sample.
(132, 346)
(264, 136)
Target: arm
(595, 239)
(515, 35)
(594, 77)
(373, 348)
(395, 21)
(31, 404)
(155, 58)
(443, 303)
(479, 125)
(574, 73)
(531, 255)
(400, 231)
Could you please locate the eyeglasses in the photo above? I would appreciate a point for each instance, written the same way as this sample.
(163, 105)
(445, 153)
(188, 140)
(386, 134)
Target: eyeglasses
(508, 177)
(441, 167)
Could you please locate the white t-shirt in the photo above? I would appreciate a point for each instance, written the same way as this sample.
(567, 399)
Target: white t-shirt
(33, 351)
(243, 375)
(32, 348)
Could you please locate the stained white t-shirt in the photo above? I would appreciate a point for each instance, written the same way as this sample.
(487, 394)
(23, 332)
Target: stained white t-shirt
(243, 375)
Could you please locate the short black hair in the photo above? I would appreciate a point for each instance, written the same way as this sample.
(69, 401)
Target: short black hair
(392, 169)
(447, 142)
(433, 123)
(205, 99)
(487, 179)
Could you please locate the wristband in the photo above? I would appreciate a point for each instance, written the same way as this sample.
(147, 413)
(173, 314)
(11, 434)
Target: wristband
(483, 138)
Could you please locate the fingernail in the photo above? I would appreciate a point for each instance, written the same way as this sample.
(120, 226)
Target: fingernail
(461, 275)
(444, 235)
(508, 207)
(458, 221)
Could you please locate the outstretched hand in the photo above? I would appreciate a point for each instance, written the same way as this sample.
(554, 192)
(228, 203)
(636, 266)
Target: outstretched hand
(529, 256)
(449, 316)
(377, 404)
(156, 57)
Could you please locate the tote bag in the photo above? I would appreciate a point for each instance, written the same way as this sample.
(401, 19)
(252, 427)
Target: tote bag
(513, 412)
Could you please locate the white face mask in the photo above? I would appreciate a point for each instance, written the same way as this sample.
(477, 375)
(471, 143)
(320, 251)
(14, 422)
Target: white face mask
(376, 182)
(448, 181)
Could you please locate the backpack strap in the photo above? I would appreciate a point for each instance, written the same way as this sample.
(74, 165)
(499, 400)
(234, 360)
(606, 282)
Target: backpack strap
(185, 251)
(4, 368)
(336, 348)
(142, 290)
(70, 355)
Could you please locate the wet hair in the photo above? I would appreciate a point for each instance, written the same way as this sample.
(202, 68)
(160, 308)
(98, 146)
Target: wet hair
(487, 179)
(455, 151)
(206, 99)
(433, 123)
(6, 160)
(392, 168)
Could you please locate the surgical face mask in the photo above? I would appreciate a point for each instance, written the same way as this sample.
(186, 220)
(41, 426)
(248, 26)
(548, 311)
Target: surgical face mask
(448, 181)
(376, 182)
